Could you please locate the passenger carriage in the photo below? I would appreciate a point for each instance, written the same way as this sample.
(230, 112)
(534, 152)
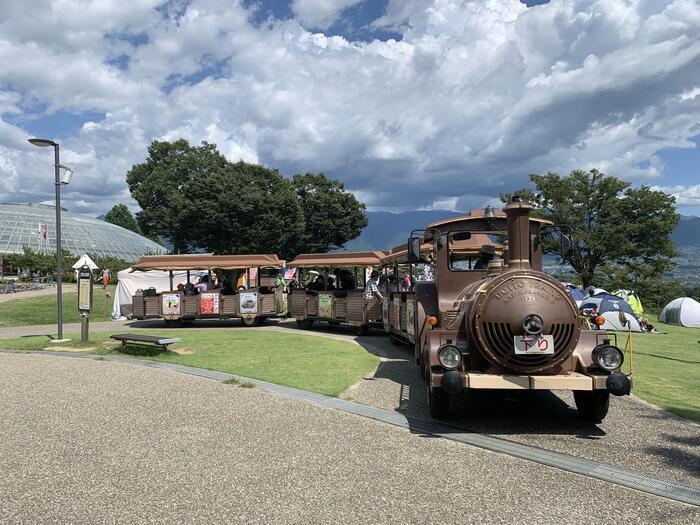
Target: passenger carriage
(254, 301)
(346, 305)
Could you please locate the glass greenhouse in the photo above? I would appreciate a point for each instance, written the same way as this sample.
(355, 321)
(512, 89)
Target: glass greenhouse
(34, 225)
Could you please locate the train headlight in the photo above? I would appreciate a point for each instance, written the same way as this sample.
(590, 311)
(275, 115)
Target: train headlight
(449, 356)
(608, 357)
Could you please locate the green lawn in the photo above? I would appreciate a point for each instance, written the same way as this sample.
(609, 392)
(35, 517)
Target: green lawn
(317, 364)
(666, 368)
(42, 310)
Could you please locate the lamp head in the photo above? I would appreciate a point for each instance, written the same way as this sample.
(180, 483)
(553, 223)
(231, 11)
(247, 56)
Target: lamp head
(42, 142)
(67, 176)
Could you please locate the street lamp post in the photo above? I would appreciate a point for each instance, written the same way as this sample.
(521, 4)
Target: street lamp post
(59, 254)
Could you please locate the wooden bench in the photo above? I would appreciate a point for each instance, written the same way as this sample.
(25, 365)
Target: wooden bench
(163, 342)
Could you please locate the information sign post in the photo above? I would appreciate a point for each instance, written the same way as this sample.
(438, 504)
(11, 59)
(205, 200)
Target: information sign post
(84, 300)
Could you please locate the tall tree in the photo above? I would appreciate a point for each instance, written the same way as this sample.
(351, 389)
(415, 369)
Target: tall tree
(121, 216)
(160, 186)
(332, 216)
(620, 229)
(242, 208)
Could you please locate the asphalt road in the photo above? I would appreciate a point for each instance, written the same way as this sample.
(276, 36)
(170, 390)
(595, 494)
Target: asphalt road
(634, 434)
(95, 442)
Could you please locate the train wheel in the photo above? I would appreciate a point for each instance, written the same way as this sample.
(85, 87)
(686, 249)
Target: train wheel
(592, 406)
(438, 402)
(248, 322)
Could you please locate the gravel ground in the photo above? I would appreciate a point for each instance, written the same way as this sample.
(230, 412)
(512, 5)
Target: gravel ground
(90, 441)
(634, 435)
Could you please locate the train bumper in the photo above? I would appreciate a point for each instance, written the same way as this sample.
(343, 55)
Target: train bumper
(618, 384)
(454, 381)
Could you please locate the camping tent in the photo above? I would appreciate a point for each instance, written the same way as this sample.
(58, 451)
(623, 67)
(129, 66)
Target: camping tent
(633, 299)
(575, 292)
(611, 308)
(683, 311)
(130, 282)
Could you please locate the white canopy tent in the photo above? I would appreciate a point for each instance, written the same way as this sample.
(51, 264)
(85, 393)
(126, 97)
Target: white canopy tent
(130, 282)
(683, 311)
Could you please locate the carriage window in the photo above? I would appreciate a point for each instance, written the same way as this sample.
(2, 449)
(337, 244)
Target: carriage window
(468, 252)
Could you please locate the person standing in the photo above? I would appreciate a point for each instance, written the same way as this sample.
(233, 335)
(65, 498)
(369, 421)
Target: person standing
(106, 277)
(372, 287)
(279, 293)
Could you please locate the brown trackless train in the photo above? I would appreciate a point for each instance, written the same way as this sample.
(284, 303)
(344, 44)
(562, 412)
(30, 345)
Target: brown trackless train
(502, 324)
(468, 293)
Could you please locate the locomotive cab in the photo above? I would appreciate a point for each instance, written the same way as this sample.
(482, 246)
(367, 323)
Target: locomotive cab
(491, 319)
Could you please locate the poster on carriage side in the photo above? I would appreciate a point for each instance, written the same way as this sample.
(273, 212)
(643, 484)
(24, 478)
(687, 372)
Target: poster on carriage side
(209, 303)
(171, 304)
(410, 317)
(325, 305)
(248, 303)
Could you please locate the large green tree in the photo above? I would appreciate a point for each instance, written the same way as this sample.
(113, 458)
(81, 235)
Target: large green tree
(160, 186)
(332, 216)
(623, 233)
(243, 208)
(121, 216)
(198, 200)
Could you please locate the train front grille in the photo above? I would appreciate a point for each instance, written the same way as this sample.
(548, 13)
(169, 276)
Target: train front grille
(500, 340)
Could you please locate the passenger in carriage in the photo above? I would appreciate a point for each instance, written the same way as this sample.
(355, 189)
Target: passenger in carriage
(345, 279)
(240, 280)
(371, 288)
(392, 284)
(203, 284)
(317, 285)
(330, 284)
(383, 284)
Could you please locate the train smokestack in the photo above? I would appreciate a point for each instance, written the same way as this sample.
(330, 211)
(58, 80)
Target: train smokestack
(518, 224)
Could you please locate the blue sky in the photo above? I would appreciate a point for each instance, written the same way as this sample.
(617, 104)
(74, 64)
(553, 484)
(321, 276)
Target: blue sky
(453, 101)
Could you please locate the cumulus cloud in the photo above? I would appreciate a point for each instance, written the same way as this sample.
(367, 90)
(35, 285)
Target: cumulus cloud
(320, 14)
(476, 95)
(685, 195)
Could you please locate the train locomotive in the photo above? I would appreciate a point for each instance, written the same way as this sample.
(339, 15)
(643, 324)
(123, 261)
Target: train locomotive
(505, 325)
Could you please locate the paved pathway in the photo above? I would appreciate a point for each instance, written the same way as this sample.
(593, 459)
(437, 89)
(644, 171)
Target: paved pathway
(90, 441)
(634, 435)
(50, 290)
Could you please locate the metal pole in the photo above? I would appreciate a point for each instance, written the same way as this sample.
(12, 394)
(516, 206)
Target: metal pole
(59, 288)
(84, 328)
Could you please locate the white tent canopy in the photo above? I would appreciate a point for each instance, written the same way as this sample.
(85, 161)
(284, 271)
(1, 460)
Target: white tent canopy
(84, 259)
(683, 311)
(130, 282)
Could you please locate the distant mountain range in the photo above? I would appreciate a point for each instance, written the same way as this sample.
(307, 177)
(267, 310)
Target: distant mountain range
(687, 233)
(386, 230)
